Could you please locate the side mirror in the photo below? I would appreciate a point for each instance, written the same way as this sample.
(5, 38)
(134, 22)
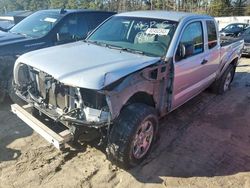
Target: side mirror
(63, 37)
(182, 51)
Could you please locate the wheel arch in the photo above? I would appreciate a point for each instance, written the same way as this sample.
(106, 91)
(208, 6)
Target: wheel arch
(233, 62)
(142, 97)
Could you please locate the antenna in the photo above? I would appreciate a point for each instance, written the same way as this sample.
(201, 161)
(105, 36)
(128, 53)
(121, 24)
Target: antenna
(63, 11)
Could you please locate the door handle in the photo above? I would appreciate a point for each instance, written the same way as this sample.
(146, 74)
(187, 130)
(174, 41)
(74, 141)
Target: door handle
(204, 61)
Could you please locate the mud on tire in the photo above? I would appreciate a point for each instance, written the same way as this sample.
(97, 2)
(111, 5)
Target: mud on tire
(130, 135)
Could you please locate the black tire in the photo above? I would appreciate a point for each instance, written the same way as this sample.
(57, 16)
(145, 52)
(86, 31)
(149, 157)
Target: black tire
(226, 79)
(121, 141)
(12, 94)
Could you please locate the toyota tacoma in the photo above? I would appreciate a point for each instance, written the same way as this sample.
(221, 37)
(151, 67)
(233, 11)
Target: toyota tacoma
(133, 69)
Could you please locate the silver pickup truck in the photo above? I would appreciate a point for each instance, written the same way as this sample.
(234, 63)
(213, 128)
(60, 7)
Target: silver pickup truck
(133, 69)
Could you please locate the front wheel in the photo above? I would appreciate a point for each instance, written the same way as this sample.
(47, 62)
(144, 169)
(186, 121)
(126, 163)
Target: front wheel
(12, 94)
(132, 135)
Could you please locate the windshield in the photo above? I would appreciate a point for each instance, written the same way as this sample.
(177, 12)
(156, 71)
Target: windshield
(139, 35)
(37, 24)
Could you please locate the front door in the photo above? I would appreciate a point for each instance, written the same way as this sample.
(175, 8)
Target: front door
(190, 67)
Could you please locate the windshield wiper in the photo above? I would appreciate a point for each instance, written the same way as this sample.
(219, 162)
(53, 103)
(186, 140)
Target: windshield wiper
(111, 46)
(133, 51)
(96, 42)
(125, 49)
(18, 33)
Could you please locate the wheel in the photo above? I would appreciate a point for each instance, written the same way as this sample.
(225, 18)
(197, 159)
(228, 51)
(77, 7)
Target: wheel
(132, 135)
(223, 84)
(12, 94)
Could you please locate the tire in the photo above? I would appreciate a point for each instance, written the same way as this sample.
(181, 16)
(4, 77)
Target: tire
(224, 82)
(127, 145)
(12, 94)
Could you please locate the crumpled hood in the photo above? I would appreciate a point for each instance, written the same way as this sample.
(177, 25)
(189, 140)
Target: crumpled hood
(85, 65)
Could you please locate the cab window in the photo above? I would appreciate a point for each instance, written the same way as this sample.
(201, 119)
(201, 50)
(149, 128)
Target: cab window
(212, 35)
(67, 29)
(191, 42)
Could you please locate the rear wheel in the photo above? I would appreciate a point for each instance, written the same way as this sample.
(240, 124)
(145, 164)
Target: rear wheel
(224, 82)
(132, 135)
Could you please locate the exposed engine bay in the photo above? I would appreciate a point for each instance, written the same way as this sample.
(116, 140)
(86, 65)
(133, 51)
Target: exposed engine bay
(66, 104)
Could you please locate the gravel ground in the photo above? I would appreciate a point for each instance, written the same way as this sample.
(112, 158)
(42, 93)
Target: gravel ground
(204, 143)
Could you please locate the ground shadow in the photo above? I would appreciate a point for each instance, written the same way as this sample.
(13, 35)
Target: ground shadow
(208, 136)
(11, 128)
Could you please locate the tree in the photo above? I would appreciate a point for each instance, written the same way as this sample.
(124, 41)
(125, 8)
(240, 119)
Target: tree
(57, 3)
(212, 7)
(38, 5)
(72, 4)
(247, 11)
(239, 6)
(220, 8)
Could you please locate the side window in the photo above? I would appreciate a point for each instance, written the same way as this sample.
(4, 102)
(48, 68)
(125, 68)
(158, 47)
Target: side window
(96, 19)
(82, 27)
(67, 29)
(74, 27)
(191, 42)
(212, 35)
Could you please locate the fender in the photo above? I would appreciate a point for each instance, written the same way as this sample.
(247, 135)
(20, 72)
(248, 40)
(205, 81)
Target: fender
(232, 56)
(148, 81)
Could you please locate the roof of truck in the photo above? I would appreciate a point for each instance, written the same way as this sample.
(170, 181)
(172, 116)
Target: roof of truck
(66, 11)
(169, 15)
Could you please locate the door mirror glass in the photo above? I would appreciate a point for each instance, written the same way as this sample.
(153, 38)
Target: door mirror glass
(182, 51)
(63, 37)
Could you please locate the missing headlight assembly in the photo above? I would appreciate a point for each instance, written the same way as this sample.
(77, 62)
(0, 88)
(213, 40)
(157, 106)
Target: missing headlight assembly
(66, 104)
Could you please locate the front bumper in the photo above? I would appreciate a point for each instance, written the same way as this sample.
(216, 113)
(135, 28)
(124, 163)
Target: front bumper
(94, 118)
(246, 49)
(58, 139)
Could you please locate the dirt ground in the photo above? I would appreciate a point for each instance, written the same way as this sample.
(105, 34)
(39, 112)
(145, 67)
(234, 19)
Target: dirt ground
(204, 143)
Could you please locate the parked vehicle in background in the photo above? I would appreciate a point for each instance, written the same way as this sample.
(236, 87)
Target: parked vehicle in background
(246, 37)
(43, 29)
(133, 69)
(233, 30)
(7, 21)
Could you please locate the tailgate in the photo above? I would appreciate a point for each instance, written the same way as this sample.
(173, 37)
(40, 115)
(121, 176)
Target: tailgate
(57, 139)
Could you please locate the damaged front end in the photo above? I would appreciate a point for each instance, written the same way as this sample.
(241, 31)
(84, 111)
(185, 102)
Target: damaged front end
(81, 110)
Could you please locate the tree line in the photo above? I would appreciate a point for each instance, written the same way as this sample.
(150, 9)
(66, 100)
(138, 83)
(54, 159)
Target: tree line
(211, 7)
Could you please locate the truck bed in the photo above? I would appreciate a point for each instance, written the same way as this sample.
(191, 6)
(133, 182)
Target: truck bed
(224, 41)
